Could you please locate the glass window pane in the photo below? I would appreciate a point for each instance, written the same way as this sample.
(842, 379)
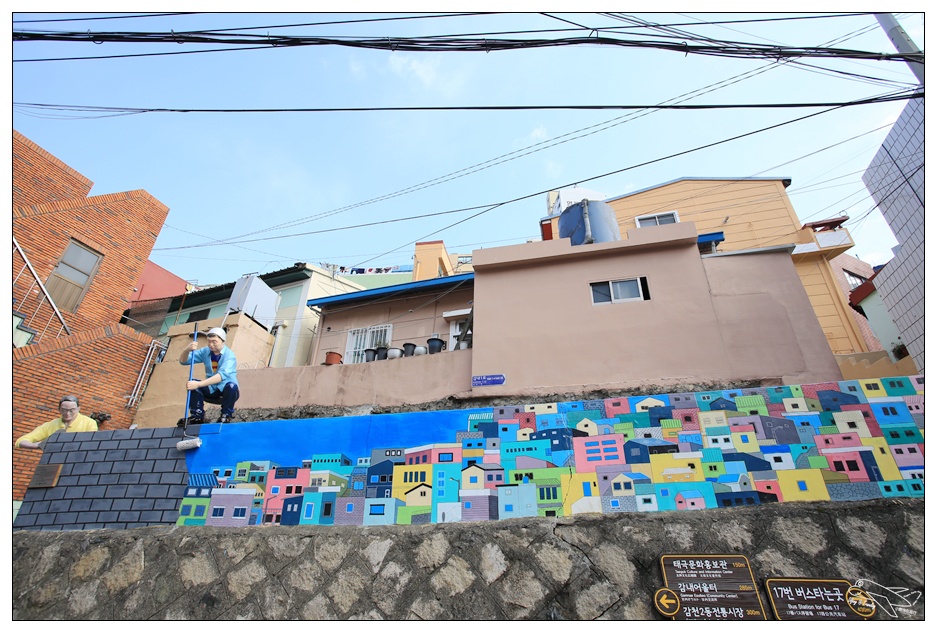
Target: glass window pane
(669, 218)
(647, 221)
(75, 276)
(601, 292)
(626, 289)
(80, 258)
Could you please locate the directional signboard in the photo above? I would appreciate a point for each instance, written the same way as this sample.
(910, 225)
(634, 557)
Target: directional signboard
(487, 380)
(710, 588)
(818, 600)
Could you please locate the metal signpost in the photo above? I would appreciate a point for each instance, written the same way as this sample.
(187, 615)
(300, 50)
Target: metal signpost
(708, 588)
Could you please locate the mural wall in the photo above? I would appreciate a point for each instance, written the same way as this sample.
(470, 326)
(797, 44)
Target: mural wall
(835, 441)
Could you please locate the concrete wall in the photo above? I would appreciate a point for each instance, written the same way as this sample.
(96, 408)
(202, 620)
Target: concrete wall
(403, 381)
(575, 569)
(752, 213)
(713, 318)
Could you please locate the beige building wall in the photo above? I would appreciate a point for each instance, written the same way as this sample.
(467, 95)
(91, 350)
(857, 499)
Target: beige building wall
(431, 260)
(414, 319)
(721, 318)
(754, 213)
(163, 402)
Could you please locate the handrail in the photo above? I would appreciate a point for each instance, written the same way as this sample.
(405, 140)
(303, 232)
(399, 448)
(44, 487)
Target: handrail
(42, 287)
(141, 378)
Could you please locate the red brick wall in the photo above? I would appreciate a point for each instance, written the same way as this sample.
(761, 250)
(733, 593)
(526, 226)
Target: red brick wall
(100, 366)
(120, 226)
(39, 177)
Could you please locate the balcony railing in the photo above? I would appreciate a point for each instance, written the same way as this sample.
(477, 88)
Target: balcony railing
(828, 237)
(35, 315)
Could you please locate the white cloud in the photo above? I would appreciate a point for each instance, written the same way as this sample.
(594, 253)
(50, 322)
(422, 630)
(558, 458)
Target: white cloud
(428, 71)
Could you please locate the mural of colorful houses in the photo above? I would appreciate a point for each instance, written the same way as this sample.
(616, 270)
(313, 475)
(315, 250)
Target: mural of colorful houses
(835, 441)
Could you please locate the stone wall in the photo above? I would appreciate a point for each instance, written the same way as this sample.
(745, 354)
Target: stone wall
(589, 567)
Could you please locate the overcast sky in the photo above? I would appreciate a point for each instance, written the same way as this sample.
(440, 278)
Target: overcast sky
(281, 178)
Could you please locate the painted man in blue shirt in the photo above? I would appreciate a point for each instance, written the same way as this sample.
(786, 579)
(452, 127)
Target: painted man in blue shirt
(220, 383)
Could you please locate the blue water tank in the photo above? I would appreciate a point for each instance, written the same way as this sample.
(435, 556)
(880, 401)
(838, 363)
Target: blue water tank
(589, 218)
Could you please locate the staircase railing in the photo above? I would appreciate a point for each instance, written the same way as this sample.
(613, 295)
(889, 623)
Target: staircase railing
(156, 348)
(23, 304)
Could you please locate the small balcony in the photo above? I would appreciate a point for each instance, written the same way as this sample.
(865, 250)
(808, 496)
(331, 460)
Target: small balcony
(828, 237)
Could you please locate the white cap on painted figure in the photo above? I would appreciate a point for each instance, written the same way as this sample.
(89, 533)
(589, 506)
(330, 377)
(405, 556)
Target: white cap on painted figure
(217, 331)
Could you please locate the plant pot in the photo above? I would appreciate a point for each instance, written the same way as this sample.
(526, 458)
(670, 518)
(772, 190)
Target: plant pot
(463, 344)
(370, 355)
(408, 349)
(394, 352)
(381, 353)
(420, 350)
(332, 357)
(435, 345)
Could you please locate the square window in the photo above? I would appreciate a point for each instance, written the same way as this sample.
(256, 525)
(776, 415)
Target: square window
(217, 512)
(802, 485)
(377, 510)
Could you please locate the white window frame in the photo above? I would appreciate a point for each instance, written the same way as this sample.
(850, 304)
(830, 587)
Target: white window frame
(656, 219)
(610, 286)
(366, 338)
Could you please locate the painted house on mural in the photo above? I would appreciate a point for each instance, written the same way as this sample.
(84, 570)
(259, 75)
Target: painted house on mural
(77, 260)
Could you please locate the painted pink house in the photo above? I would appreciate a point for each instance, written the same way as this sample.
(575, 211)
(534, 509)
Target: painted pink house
(282, 483)
(848, 463)
(837, 441)
(434, 453)
(908, 454)
(593, 451)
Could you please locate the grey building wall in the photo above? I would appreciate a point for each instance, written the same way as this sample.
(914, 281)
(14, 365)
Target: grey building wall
(895, 178)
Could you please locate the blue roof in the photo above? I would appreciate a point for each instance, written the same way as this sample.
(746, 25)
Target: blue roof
(380, 292)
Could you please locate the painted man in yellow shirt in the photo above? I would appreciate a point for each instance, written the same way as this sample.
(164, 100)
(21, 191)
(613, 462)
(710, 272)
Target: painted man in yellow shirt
(69, 421)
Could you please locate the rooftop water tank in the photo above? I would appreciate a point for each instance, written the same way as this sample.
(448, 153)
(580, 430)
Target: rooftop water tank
(589, 222)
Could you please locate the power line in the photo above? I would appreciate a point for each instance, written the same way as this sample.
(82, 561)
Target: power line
(487, 45)
(105, 17)
(451, 108)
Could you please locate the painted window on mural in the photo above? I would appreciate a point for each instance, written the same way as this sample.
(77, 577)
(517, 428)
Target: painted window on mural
(366, 338)
(72, 277)
(657, 219)
(620, 291)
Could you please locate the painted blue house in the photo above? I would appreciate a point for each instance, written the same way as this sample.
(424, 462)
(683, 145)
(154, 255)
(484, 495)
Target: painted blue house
(516, 501)
(378, 511)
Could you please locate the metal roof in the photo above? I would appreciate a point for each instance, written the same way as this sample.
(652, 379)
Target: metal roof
(391, 290)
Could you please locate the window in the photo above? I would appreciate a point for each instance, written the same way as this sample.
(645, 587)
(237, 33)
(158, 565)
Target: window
(802, 486)
(72, 277)
(349, 508)
(445, 457)
(472, 479)
(217, 512)
(377, 510)
(467, 504)
(508, 507)
(621, 291)
(200, 510)
(366, 338)
(240, 512)
(854, 280)
(186, 510)
(657, 220)
(275, 489)
(309, 511)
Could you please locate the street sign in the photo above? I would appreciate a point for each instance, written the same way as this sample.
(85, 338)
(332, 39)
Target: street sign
(666, 601)
(712, 588)
(487, 380)
(818, 600)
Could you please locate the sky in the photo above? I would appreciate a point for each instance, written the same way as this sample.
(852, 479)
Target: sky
(253, 192)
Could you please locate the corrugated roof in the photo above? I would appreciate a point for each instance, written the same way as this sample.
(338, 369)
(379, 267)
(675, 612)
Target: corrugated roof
(391, 290)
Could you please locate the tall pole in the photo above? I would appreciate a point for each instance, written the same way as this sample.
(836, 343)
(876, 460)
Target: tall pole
(901, 41)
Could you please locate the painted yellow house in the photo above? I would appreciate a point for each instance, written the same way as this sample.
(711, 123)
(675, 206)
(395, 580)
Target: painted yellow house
(744, 439)
(676, 467)
(851, 421)
(806, 485)
(883, 457)
(712, 419)
(754, 213)
(406, 477)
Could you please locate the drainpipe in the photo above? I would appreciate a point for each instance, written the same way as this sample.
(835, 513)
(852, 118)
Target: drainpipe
(588, 234)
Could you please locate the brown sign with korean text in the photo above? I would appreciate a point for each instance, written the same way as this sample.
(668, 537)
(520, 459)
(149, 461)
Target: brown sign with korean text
(712, 588)
(818, 600)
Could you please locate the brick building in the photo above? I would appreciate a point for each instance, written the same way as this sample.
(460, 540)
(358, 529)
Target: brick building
(76, 262)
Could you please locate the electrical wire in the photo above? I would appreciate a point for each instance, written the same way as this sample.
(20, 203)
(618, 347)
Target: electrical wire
(903, 96)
